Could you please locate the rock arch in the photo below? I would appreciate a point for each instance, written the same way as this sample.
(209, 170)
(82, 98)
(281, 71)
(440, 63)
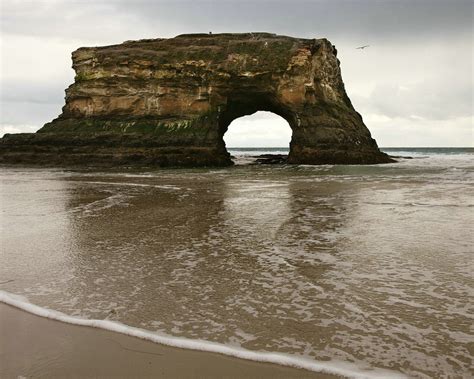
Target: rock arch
(170, 101)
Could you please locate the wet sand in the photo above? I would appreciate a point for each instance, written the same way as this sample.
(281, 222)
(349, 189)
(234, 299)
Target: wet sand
(365, 268)
(32, 346)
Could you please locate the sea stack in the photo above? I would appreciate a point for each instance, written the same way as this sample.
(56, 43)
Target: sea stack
(168, 102)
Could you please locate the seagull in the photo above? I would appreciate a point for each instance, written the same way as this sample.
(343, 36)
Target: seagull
(362, 47)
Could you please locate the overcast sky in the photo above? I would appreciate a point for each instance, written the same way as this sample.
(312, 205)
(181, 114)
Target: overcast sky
(413, 85)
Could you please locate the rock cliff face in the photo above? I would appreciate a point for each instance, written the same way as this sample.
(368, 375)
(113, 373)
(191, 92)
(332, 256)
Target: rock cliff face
(170, 101)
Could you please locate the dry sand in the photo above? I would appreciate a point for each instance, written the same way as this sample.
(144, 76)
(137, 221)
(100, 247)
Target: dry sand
(32, 346)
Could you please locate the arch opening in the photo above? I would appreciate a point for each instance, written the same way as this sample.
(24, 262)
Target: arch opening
(262, 137)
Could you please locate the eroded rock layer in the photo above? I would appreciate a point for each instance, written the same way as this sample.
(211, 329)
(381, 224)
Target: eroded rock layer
(170, 101)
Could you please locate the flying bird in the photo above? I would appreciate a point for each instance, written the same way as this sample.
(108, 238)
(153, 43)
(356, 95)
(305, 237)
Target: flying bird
(362, 47)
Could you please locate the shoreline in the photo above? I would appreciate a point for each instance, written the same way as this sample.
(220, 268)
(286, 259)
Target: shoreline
(35, 346)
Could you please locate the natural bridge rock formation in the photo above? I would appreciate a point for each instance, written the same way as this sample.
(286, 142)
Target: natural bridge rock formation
(170, 101)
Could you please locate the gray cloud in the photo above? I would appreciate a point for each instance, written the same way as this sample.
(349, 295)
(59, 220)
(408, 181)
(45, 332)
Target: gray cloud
(30, 103)
(370, 19)
(31, 114)
(22, 91)
(430, 100)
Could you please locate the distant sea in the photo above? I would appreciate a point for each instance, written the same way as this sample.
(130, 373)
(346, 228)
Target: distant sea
(389, 150)
(362, 271)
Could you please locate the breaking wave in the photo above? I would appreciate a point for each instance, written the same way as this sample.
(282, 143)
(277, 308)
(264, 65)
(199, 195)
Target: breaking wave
(346, 369)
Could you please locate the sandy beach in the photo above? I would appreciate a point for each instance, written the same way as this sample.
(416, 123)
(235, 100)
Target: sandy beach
(32, 346)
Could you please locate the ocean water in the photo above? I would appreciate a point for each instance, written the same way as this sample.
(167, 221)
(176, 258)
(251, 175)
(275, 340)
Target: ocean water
(364, 271)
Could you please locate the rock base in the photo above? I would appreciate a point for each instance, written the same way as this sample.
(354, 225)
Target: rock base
(102, 150)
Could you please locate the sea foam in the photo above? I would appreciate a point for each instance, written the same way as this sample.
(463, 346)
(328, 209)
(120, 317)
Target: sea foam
(346, 369)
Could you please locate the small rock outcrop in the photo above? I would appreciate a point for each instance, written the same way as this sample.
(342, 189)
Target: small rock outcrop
(169, 102)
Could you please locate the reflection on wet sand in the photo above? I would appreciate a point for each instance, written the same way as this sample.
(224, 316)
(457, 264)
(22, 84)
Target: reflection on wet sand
(312, 262)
